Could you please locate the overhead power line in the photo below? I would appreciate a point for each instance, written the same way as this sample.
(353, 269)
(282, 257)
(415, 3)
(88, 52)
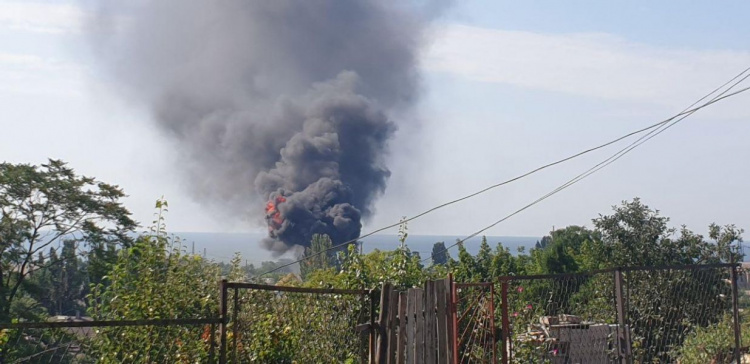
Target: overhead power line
(688, 111)
(619, 154)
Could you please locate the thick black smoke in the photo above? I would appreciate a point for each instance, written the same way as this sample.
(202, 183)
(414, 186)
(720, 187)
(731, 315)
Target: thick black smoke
(272, 99)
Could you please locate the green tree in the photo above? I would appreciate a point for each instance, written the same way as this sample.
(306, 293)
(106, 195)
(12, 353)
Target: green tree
(400, 267)
(466, 268)
(635, 235)
(503, 262)
(41, 206)
(154, 279)
(439, 255)
(662, 306)
(484, 261)
(562, 250)
(543, 243)
(318, 255)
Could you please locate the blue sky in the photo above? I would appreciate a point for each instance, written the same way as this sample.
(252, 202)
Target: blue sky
(690, 24)
(509, 86)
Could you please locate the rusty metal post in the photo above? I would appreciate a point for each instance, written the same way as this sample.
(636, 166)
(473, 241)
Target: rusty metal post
(736, 316)
(454, 321)
(451, 312)
(505, 320)
(373, 330)
(223, 325)
(623, 338)
(492, 322)
(236, 323)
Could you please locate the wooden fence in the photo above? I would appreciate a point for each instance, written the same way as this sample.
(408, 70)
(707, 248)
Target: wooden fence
(416, 326)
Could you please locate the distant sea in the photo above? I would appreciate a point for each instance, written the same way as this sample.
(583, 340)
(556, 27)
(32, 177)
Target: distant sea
(222, 246)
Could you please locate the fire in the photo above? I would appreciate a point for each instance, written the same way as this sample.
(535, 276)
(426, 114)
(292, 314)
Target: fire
(273, 215)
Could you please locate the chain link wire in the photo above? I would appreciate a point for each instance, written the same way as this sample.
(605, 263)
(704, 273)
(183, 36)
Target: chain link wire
(663, 306)
(573, 318)
(562, 319)
(665, 315)
(188, 343)
(269, 326)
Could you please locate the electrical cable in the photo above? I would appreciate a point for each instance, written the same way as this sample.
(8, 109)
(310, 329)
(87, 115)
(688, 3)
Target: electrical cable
(688, 111)
(612, 158)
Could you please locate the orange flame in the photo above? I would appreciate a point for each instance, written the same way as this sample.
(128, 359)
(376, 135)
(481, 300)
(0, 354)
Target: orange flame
(273, 215)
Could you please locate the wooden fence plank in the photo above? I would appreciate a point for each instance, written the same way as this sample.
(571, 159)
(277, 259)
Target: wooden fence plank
(419, 328)
(382, 342)
(430, 322)
(416, 326)
(442, 322)
(401, 347)
(411, 323)
(392, 327)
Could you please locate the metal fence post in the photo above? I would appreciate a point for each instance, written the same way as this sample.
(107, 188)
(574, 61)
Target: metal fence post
(236, 325)
(373, 327)
(623, 337)
(492, 322)
(736, 316)
(505, 320)
(454, 318)
(223, 325)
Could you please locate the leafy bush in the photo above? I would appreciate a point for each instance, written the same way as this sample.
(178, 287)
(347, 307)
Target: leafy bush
(155, 279)
(711, 344)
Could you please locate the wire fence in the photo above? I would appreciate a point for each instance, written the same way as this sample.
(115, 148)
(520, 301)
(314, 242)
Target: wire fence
(563, 318)
(640, 315)
(256, 323)
(476, 332)
(685, 314)
(136, 341)
(272, 324)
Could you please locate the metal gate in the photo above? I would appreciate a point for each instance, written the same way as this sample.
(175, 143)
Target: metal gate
(275, 324)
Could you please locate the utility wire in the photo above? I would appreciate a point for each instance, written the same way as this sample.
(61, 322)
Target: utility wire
(616, 156)
(686, 112)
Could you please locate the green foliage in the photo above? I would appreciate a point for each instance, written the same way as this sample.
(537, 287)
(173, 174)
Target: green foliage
(290, 327)
(318, 255)
(62, 287)
(543, 243)
(36, 346)
(711, 344)
(155, 279)
(400, 267)
(440, 255)
(48, 206)
(44, 205)
(527, 349)
(635, 235)
(466, 268)
(503, 262)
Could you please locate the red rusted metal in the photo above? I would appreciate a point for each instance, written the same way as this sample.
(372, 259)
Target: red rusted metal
(492, 323)
(454, 315)
(506, 324)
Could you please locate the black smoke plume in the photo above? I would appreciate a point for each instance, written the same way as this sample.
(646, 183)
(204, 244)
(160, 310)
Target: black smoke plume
(284, 102)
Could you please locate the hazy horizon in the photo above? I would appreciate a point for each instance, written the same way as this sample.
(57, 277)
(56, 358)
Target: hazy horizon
(222, 246)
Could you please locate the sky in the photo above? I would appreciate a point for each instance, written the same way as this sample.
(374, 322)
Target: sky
(507, 87)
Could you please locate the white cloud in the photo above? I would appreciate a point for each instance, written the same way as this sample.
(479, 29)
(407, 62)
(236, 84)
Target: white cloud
(592, 65)
(41, 17)
(30, 74)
